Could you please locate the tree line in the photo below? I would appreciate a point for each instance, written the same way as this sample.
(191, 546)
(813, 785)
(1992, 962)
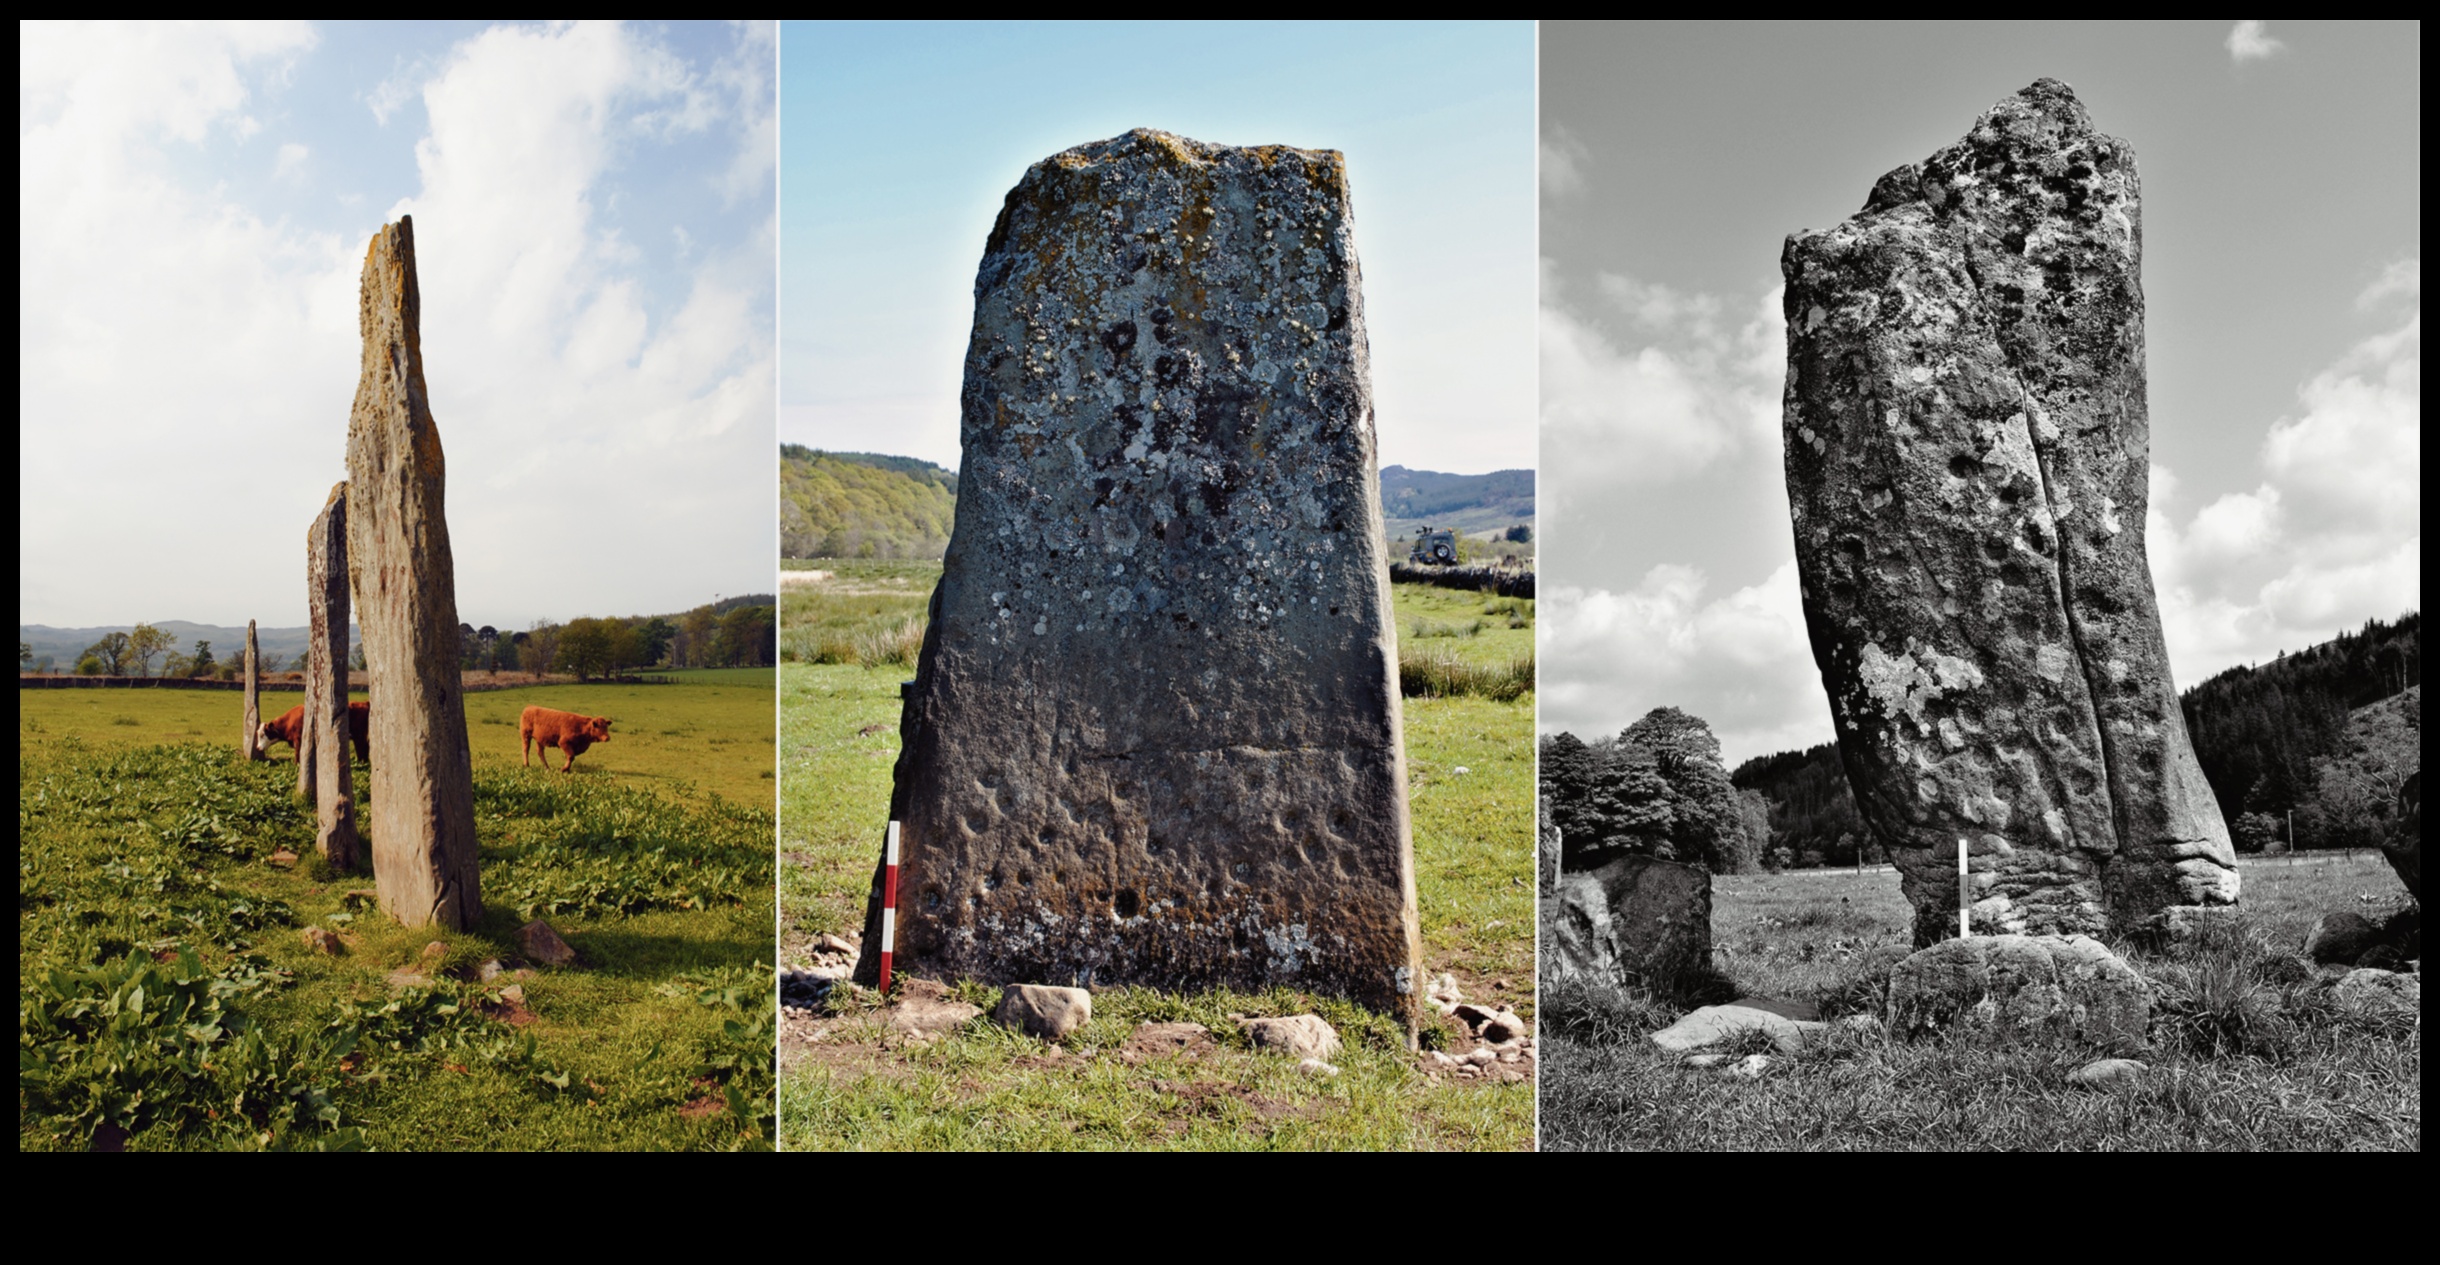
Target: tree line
(863, 505)
(1657, 789)
(2311, 749)
(735, 632)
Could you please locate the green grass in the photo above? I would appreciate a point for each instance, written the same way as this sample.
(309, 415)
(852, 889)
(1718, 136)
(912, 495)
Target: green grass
(981, 1088)
(166, 993)
(2249, 1049)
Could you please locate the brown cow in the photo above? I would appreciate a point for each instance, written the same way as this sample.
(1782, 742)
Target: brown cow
(543, 727)
(291, 726)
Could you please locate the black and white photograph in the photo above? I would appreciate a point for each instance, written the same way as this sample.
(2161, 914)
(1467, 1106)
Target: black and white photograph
(1980, 700)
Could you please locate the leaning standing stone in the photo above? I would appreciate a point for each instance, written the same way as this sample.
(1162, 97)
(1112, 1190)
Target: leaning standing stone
(1967, 447)
(250, 743)
(323, 767)
(1155, 733)
(399, 564)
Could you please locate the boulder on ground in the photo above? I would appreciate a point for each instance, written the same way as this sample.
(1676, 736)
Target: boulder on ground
(2068, 984)
(1044, 1010)
(2340, 937)
(542, 944)
(2102, 1073)
(1300, 1036)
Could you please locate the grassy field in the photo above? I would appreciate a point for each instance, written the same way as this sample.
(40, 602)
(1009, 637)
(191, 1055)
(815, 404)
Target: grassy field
(168, 999)
(847, 1083)
(2250, 1049)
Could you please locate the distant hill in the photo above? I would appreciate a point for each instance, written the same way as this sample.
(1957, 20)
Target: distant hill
(863, 505)
(870, 505)
(2257, 731)
(1455, 502)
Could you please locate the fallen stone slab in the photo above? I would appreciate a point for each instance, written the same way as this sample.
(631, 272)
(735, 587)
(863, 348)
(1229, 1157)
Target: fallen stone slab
(1715, 1025)
(1044, 1010)
(1301, 1036)
(2340, 937)
(2369, 989)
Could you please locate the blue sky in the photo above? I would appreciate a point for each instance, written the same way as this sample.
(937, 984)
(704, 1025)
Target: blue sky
(2282, 186)
(898, 143)
(595, 220)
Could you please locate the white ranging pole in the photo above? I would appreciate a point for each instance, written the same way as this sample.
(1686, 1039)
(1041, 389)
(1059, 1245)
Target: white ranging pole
(1965, 919)
(889, 906)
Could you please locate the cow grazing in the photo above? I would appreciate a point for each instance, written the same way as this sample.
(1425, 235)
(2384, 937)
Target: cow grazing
(571, 733)
(290, 728)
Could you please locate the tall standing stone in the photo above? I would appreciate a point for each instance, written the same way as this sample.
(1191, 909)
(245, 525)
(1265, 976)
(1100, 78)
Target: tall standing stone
(398, 561)
(250, 743)
(1155, 735)
(1967, 448)
(323, 766)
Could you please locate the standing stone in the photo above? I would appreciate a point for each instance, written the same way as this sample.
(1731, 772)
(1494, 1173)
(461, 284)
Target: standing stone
(1634, 920)
(250, 744)
(1967, 449)
(399, 566)
(1154, 737)
(323, 768)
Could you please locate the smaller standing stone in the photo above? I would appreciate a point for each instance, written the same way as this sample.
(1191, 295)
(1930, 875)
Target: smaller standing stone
(323, 768)
(542, 944)
(250, 744)
(1044, 1010)
(1634, 918)
(1300, 1036)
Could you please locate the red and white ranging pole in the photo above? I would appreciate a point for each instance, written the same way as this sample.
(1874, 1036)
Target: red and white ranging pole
(889, 905)
(1965, 918)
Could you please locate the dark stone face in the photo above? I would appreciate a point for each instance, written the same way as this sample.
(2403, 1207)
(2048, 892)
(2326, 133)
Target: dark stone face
(1967, 451)
(1155, 735)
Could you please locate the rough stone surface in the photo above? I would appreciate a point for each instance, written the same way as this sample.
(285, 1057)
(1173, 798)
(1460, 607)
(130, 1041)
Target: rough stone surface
(2404, 847)
(1630, 919)
(404, 580)
(324, 772)
(1713, 1025)
(2340, 937)
(1302, 1036)
(1967, 448)
(2067, 984)
(250, 742)
(1493, 1024)
(323, 941)
(541, 943)
(1155, 734)
(1044, 1010)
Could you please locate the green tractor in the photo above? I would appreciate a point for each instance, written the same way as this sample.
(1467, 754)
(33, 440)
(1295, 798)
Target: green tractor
(1434, 548)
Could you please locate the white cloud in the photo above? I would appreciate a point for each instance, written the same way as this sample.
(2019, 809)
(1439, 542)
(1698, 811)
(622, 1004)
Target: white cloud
(2251, 41)
(1684, 382)
(290, 165)
(2331, 536)
(186, 387)
(1561, 162)
(1742, 662)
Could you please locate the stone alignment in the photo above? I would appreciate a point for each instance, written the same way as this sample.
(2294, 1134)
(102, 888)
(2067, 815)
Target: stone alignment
(399, 567)
(250, 744)
(1155, 733)
(1967, 447)
(323, 767)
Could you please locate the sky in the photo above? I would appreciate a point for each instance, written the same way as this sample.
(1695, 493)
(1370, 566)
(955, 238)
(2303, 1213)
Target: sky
(2282, 201)
(898, 143)
(595, 228)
